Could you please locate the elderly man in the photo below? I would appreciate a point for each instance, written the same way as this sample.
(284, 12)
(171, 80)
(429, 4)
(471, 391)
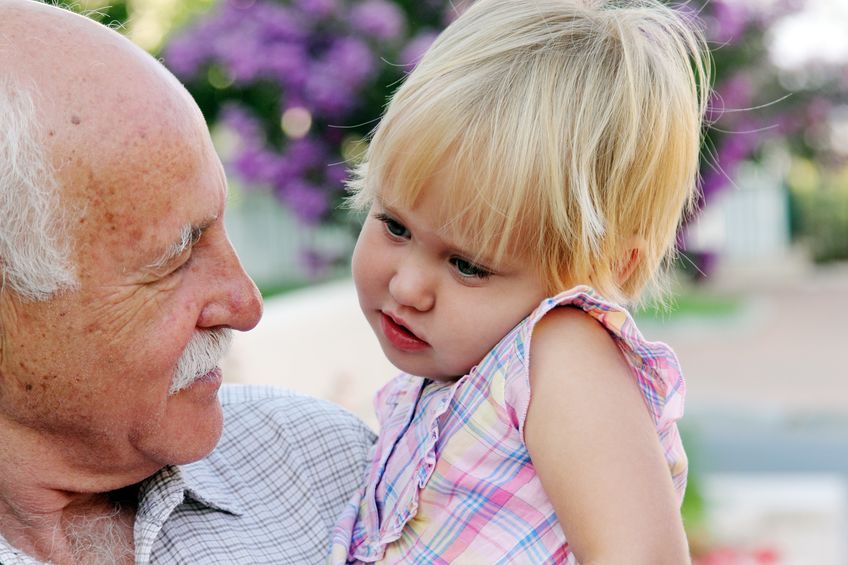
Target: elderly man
(119, 293)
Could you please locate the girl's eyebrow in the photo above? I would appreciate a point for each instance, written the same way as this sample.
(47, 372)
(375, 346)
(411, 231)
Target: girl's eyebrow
(481, 260)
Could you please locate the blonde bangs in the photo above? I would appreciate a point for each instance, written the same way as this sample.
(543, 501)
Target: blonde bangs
(569, 131)
(495, 164)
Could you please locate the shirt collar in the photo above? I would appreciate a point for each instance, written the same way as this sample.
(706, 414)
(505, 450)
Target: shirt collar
(199, 481)
(206, 482)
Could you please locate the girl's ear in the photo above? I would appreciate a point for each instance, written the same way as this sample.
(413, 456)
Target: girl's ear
(629, 259)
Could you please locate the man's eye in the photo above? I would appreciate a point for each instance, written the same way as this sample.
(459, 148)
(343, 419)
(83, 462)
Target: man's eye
(178, 265)
(469, 269)
(182, 265)
(395, 228)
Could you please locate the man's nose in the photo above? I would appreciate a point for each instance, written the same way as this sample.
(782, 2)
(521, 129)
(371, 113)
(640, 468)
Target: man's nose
(412, 285)
(236, 302)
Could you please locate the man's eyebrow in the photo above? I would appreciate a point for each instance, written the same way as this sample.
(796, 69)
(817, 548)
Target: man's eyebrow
(189, 235)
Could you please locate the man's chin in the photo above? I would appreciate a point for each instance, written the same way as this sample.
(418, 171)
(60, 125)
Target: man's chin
(192, 430)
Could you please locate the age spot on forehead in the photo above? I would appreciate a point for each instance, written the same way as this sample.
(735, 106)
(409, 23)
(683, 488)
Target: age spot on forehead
(75, 120)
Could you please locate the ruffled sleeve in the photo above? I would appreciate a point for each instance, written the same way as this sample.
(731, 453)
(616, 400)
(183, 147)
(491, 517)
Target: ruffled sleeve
(653, 364)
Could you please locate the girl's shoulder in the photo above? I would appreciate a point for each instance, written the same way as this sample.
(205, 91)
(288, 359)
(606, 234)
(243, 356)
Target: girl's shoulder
(653, 364)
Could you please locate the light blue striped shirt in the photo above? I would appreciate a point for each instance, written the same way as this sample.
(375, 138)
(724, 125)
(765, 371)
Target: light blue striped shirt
(269, 492)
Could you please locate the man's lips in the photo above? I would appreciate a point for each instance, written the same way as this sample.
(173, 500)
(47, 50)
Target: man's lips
(215, 376)
(399, 335)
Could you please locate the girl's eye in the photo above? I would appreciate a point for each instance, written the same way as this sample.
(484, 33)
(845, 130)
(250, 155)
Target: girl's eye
(395, 228)
(469, 269)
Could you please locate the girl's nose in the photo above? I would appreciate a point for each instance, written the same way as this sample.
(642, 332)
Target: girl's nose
(410, 286)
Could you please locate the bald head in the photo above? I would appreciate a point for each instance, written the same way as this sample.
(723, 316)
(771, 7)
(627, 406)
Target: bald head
(78, 102)
(98, 370)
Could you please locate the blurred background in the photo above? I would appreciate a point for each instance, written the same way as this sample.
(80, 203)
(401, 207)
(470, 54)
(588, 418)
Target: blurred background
(291, 88)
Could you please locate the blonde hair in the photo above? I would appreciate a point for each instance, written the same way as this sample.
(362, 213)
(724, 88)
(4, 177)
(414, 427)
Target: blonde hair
(574, 127)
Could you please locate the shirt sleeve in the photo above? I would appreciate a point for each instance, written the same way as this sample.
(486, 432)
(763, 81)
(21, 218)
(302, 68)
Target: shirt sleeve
(653, 365)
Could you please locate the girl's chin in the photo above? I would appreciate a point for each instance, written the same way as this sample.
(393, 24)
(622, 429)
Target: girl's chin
(419, 369)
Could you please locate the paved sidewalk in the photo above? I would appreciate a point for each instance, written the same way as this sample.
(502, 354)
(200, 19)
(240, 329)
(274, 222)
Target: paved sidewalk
(785, 349)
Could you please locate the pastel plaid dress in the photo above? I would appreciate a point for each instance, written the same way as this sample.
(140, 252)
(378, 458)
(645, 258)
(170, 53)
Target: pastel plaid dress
(450, 479)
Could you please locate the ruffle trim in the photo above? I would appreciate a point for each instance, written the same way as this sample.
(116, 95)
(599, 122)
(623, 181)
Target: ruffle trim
(655, 367)
(372, 548)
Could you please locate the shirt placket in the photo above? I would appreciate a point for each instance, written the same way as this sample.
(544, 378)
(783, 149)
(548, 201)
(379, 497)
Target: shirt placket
(158, 499)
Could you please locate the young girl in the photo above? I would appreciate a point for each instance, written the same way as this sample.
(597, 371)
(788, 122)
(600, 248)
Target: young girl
(526, 181)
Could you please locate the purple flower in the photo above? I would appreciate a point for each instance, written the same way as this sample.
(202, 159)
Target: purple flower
(183, 56)
(337, 174)
(306, 154)
(819, 110)
(453, 10)
(317, 9)
(379, 19)
(242, 122)
(315, 54)
(278, 23)
(307, 201)
(731, 98)
(327, 95)
(732, 150)
(416, 48)
(318, 263)
(349, 59)
(288, 64)
(729, 21)
(259, 166)
(334, 82)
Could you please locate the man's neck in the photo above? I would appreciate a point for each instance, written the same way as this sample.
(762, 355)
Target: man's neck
(52, 507)
(70, 528)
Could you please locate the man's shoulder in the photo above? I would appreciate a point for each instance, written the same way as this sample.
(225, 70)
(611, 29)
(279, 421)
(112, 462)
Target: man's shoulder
(283, 416)
(281, 473)
(271, 435)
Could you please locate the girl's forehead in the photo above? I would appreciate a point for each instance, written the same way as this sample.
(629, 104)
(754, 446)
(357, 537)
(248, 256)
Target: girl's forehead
(447, 198)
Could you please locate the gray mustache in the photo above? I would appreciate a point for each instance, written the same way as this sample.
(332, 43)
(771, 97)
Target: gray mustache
(202, 354)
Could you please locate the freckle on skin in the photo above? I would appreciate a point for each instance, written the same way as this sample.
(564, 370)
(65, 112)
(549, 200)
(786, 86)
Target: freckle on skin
(75, 120)
(28, 387)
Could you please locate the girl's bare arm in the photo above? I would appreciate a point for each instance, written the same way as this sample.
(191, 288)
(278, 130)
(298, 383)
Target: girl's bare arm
(595, 448)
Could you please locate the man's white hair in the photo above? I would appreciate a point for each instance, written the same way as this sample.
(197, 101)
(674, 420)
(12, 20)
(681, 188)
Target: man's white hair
(34, 249)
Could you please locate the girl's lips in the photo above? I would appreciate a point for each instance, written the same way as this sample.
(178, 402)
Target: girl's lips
(399, 336)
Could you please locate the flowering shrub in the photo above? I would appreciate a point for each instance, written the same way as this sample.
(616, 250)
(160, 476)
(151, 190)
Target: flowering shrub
(755, 103)
(749, 105)
(301, 83)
